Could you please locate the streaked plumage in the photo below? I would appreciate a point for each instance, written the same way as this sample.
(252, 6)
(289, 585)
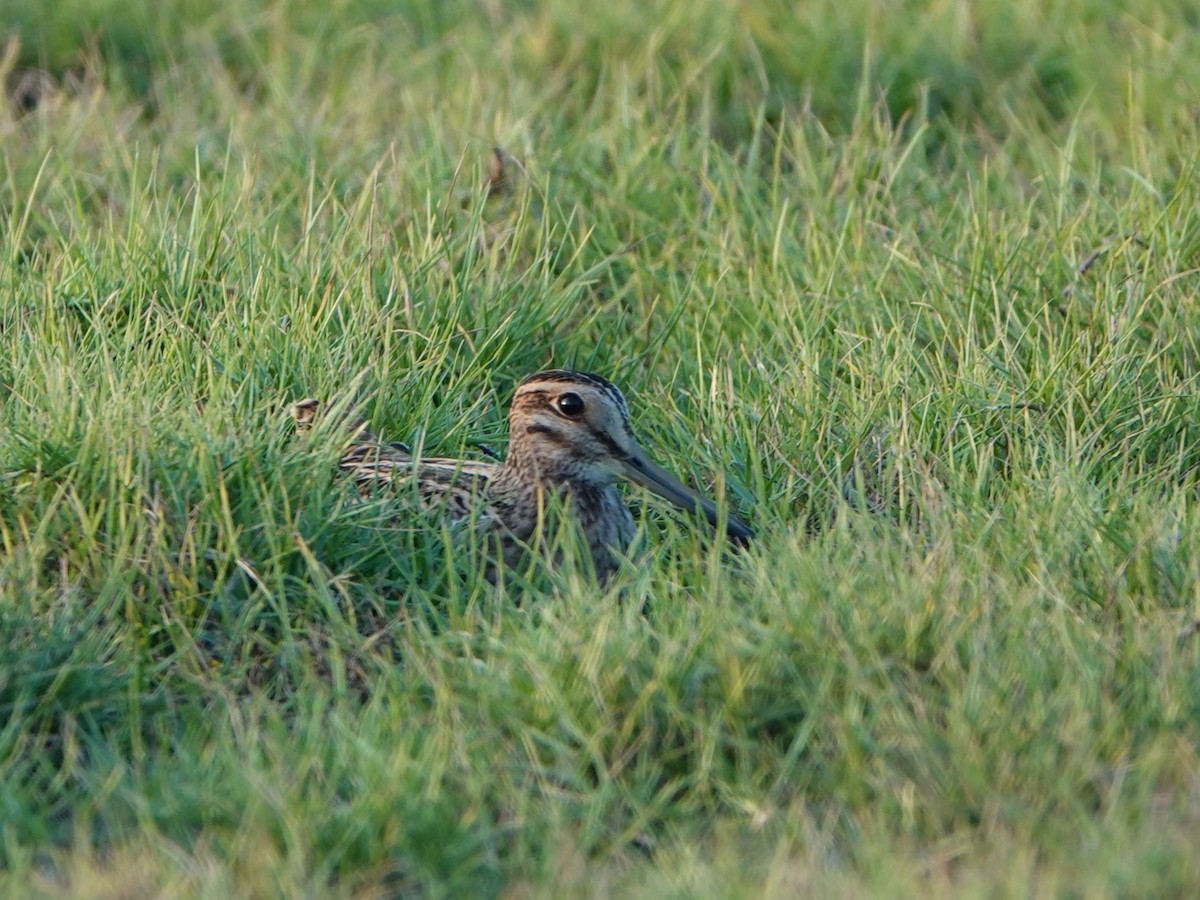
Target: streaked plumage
(569, 435)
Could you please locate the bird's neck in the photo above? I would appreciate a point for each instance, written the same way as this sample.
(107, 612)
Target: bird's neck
(525, 472)
(524, 464)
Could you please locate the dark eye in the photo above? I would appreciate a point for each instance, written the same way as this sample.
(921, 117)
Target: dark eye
(570, 405)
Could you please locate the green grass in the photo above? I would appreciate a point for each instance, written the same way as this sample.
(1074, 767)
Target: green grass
(914, 286)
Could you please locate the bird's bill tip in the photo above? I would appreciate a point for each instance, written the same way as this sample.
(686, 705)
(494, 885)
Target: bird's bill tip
(739, 532)
(642, 470)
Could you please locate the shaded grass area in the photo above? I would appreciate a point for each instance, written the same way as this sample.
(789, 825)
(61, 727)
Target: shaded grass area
(915, 292)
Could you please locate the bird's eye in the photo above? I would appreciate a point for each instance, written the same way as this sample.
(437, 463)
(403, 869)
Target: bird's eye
(570, 405)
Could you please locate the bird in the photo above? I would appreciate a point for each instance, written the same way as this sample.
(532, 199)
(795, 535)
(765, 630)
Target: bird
(570, 437)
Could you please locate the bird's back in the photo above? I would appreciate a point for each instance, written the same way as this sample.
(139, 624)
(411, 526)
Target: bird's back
(453, 488)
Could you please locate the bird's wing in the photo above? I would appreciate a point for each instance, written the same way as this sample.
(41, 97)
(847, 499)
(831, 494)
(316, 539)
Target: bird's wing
(452, 488)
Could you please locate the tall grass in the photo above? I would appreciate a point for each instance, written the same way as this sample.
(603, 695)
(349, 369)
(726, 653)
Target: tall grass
(911, 286)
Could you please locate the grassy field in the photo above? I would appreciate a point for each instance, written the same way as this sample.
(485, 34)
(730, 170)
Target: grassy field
(913, 286)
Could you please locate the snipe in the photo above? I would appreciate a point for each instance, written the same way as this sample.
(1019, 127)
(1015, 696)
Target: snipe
(569, 435)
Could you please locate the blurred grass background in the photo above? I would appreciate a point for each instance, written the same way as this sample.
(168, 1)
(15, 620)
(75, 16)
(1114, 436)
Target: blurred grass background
(913, 284)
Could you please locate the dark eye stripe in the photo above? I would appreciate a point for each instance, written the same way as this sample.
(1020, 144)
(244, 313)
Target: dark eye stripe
(532, 387)
(551, 434)
(609, 444)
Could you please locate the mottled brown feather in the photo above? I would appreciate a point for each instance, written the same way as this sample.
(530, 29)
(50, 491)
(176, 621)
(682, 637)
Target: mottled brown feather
(574, 450)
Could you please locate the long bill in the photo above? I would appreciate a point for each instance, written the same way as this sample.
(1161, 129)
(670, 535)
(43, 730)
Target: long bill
(641, 469)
